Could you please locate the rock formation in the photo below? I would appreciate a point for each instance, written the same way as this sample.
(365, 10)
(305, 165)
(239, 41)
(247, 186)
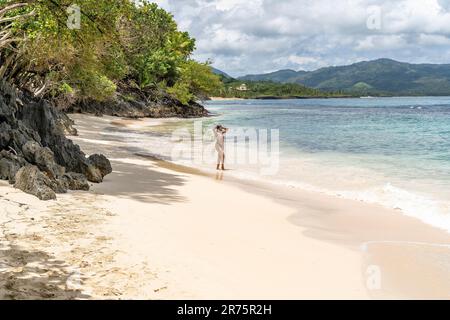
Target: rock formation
(134, 102)
(35, 154)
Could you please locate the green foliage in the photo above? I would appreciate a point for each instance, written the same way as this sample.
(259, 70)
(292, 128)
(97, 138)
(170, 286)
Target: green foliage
(51, 53)
(266, 89)
(117, 41)
(181, 91)
(154, 46)
(65, 88)
(377, 77)
(93, 85)
(196, 80)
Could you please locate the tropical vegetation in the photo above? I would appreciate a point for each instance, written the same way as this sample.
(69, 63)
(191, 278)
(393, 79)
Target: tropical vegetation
(382, 77)
(58, 50)
(269, 89)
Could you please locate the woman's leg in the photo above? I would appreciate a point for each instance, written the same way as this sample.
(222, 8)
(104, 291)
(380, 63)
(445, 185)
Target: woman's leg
(220, 157)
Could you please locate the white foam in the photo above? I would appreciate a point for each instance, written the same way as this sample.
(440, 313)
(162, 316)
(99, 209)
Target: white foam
(425, 207)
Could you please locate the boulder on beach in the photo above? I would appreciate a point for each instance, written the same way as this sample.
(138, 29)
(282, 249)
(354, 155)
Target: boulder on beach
(102, 163)
(9, 165)
(35, 154)
(93, 174)
(30, 180)
(75, 181)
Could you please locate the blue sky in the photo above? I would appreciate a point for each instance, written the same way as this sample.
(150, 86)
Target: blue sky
(257, 36)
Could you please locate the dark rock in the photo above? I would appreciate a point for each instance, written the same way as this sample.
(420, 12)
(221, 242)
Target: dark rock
(93, 174)
(134, 102)
(9, 165)
(102, 163)
(8, 169)
(8, 105)
(45, 121)
(30, 180)
(5, 135)
(29, 150)
(45, 160)
(12, 156)
(66, 125)
(32, 136)
(75, 181)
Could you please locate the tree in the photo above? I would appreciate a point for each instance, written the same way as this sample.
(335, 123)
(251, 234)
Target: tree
(117, 41)
(196, 81)
(154, 47)
(10, 13)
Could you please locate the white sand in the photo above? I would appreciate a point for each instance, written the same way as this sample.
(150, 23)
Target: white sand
(152, 231)
(206, 239)
(173, 241)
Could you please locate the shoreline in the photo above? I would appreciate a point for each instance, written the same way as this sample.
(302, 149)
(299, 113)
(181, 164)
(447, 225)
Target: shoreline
(224, 99)
(384, 238)
(323, 97)
(149, 232)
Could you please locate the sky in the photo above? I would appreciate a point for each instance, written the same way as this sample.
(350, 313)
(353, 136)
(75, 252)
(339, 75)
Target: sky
(258, 36)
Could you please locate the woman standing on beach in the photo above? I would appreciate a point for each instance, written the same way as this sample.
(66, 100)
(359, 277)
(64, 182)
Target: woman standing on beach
(219, 132)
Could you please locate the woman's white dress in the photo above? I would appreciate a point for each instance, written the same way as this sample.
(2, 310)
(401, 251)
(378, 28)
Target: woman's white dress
(220, 146)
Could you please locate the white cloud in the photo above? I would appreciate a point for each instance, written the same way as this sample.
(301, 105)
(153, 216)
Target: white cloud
(305, 62)
(382, 43)
(265, 35)
(434, 40)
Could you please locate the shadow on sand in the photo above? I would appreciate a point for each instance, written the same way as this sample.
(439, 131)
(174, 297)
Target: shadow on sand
(142, 183)
(29, 274)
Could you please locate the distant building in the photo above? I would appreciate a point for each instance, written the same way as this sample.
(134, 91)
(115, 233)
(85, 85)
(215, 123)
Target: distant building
(242, 87)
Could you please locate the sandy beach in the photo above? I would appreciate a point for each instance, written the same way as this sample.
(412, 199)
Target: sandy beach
(154, 230)
(224, 99)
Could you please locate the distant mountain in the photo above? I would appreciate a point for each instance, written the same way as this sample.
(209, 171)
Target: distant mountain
(221, 73)
(378, 77)
(277, 76)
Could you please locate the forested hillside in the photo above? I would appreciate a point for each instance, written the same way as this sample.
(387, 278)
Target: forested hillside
(269, 89)
(378, 77)
(98, 50)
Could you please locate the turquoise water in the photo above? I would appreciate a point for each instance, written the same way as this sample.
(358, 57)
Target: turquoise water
(389, 151)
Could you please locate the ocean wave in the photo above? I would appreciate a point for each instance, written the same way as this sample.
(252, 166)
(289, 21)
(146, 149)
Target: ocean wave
(423, 206)
(426, 208)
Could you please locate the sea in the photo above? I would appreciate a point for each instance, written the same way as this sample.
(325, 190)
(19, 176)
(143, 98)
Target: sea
(394, 152)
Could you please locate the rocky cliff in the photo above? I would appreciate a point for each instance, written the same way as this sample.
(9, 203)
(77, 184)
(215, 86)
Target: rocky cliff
(35, 154)
(132, 102)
